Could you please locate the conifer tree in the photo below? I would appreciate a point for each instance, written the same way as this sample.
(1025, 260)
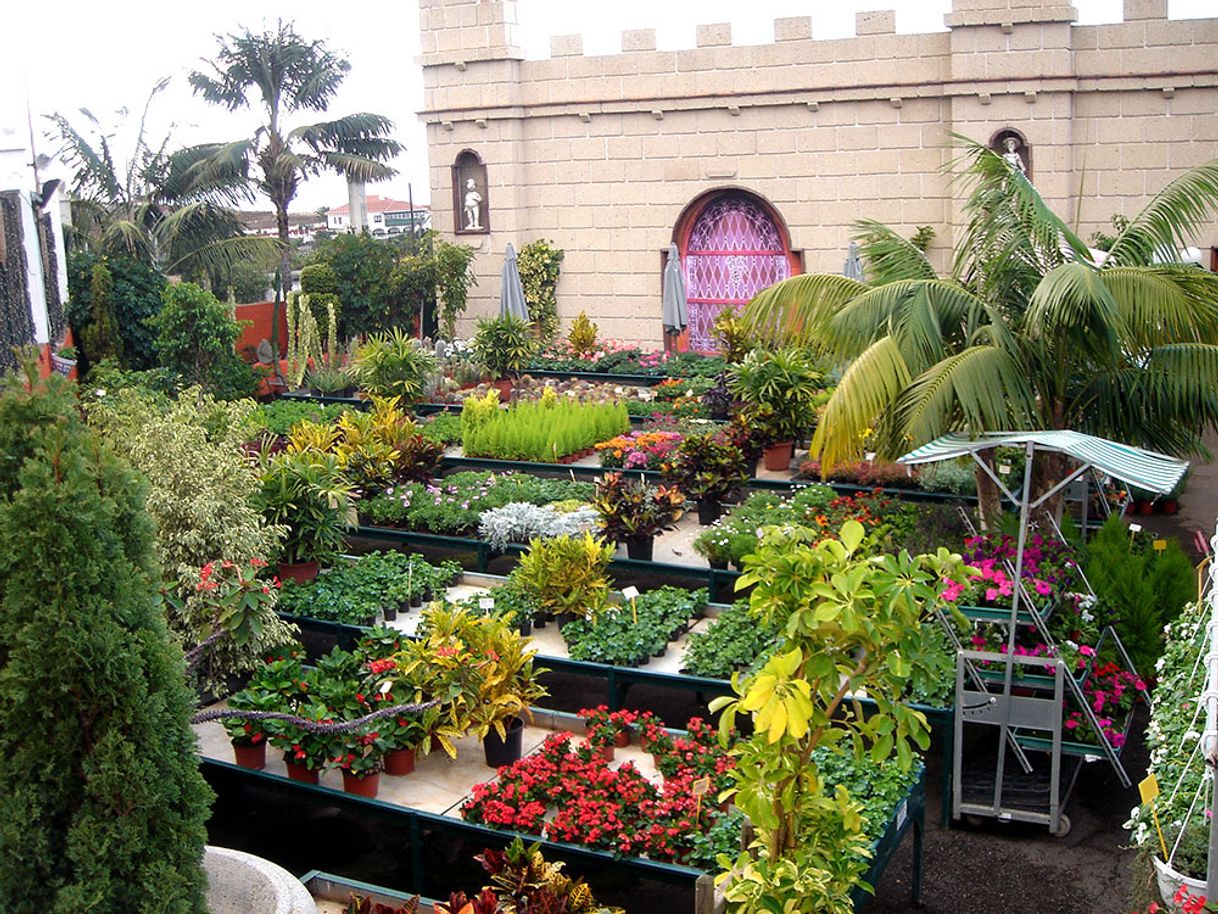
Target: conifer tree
(102, 806)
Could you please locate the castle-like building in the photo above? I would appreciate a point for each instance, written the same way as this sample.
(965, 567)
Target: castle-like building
(756, 160)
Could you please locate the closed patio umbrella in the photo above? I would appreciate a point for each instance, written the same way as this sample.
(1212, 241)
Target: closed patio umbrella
(675, 309)
(853, 268)
(511, 298)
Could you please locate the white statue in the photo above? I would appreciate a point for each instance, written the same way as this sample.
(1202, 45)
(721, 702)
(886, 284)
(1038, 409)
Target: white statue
(473, 205)
(1013, 158)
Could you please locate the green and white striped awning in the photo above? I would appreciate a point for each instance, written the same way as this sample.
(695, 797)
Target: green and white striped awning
(1132, 465)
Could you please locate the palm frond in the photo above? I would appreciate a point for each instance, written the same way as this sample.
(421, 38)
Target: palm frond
(1072, 304)
(923, 314)
(1164, 304)
(866, 392)
(95, 176)
(357, 167)
(1171, 220)
(794, 312)
(890, 257)
(223, 253)
(980, 389)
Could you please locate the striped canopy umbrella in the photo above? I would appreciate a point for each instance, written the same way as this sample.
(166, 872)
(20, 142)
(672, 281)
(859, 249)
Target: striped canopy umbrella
(1135, 466)
(511, 297)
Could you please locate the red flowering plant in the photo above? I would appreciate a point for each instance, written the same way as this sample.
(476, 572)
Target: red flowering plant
(233, 598)
(1185, 904)
(568, 792)
(607, 728)
(302, 746)
(1112, 692)
(247, 732)
(359, 752)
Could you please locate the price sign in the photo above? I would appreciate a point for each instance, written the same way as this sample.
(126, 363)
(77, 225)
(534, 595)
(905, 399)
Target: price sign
(1148, 787)
(630, 593)
(486, 603)
(701, 787)
(1160, 545)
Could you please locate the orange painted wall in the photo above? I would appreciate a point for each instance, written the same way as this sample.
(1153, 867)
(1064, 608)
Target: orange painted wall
(260, 315)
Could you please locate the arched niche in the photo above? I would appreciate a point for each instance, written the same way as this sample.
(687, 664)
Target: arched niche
(733, 244)
(1020, 148)
(471, 195)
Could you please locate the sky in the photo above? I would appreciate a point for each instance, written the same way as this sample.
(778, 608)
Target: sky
(106, 57)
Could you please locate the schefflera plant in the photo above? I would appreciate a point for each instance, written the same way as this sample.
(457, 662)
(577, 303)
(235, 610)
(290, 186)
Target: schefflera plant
(852, 624)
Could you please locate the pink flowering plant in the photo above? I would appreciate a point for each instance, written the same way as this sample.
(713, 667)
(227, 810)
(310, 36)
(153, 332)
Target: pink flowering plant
(1049, 570)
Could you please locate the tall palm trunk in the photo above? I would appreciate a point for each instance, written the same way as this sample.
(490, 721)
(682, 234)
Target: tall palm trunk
(285, 280)
(989, 499)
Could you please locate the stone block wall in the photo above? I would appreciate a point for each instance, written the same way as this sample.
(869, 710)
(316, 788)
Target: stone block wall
(602, 154)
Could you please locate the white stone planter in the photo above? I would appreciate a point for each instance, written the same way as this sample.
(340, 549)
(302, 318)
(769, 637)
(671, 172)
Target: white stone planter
(240, 883)
(1170, 881)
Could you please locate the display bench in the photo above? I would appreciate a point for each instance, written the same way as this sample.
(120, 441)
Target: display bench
(373, 844)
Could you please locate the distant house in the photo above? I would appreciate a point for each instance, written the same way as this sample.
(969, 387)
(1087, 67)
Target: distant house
(300, 225)
(386, 217)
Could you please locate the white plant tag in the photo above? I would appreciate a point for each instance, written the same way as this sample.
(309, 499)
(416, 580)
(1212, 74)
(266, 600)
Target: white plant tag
(630, 592)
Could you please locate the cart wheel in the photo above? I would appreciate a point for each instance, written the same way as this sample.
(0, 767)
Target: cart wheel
(1063, 826)
(972, 821)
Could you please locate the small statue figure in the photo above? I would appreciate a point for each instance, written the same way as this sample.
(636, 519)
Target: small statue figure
(473, 205)
(1013, 158)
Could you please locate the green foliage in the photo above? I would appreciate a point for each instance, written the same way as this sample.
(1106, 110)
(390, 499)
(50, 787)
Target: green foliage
(195, 337)
(626, 635)
(786, 383)
(537, 432)
(504, 345)
(358, 269)
(100, 338)
(248, 281)
(352, 592)
(278, 416)
(393, 364)
(539, 264)
(102, 806)
(444, 428)
(453, 281)
(733, 336)
(634, 508)
(200, 488)
(706, 467)
(567, 574)
(308, 494)
(734, 641)
(850, 623)
(1140, 588)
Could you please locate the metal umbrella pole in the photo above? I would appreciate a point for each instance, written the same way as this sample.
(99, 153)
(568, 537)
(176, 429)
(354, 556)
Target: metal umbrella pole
(1209, 740)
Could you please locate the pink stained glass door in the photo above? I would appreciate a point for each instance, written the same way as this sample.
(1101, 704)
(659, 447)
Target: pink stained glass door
(734, 251)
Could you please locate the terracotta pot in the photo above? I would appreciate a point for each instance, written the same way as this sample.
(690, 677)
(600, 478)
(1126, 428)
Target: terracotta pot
(621, 739)
(606, 752)
(251, 756)
(777, 457)
(1169, 506)
(504, 386)
(1146, 507)
(399, 762)
(366, 786)
(298, 772)
(300, 572)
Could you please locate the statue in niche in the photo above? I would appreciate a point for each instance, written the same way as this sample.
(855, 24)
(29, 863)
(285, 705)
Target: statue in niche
(1012, 156)
(473, 206)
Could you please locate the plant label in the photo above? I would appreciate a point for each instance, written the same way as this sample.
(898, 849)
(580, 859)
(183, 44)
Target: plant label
(1135, 528)
(630, 593)
(386, 686)
(486, 603)
(902, 813)
(1148, 788)
(701, 787)
(1160, 545)
(1004, 468)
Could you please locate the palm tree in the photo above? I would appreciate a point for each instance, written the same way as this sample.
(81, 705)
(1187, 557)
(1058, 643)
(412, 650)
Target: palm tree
(153, 208)
(1028, 331)
(288, 74)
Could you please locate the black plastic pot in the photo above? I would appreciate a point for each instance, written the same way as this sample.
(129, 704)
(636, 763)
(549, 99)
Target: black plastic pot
(390, 613)
(709, 511)
(500, 752)
(416, 600)
(526, 627)
(640, 547)
(721, 566)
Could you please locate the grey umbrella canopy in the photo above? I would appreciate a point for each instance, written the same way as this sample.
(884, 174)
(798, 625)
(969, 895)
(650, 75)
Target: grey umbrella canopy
(676, 308)
(853, 268)
(511, 298)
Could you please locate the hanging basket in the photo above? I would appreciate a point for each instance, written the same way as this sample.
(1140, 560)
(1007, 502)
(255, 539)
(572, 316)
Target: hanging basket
(1170, 882)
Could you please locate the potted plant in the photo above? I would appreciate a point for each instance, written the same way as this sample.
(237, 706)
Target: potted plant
(507, 687)
(328, 381)
(306, 493)
(305, 752)
(633, 512)
(393, 365)
(707, 468)
(786, 383)
(718, 399)
(504, 345)
(360, 756)
(64, 360)
(566, 575)
(607, 729)
(249, 737)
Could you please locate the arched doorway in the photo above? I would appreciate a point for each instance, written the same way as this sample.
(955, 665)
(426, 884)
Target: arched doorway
(732, 246)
